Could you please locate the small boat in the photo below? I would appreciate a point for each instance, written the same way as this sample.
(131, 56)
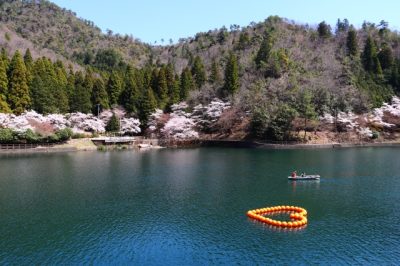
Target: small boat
(304, 177)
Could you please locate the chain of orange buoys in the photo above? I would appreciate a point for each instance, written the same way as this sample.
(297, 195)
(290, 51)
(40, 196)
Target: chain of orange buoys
(298, 216)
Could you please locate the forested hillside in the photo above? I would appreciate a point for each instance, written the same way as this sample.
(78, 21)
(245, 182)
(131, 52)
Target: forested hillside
(50, 27)
(274, 72)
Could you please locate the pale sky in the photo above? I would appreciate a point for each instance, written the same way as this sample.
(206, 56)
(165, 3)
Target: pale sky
(152, 20)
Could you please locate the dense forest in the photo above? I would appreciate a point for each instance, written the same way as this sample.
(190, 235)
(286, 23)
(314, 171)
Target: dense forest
(272, 72)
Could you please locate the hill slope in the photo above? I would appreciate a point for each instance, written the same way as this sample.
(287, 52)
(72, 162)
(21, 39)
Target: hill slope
(50, 27)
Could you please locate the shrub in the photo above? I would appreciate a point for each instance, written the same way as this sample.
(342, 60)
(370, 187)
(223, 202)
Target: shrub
(101, 148)
(6, 135)
(64, 134)
(113, 124)
(53, 138)
(259, 122)
(29, 137)
(78, 136)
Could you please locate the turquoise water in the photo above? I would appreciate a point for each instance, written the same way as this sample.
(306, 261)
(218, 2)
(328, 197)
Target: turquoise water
(188, 207)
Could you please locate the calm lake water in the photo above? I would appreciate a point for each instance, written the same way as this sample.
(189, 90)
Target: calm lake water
(188, 207)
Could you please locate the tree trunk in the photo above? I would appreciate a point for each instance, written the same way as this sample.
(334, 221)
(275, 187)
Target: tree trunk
(305, 128)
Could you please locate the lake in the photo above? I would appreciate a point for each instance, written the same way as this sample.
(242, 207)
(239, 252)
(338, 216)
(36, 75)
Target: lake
(188, 207)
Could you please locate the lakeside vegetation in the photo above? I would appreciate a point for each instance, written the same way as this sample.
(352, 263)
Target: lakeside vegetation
(8, 135)
(278, 76)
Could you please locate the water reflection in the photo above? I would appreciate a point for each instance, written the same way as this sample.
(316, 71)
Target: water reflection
(188, 207)
(304, 184)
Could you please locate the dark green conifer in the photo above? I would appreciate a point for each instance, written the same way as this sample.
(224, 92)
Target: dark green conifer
(173, 84)
(174, 90)
(99, 96)
(18, 90)
(4, 108)
(369, 54)
(215, 76)
(4, 57)
(306, 108)
(324, 30)
(264, 52)
(351, 42)
(130, 94)
(198, 72)
(147, 105)
(81, 96)
(3, 78)
(61, 93)
(244, 40)
(40, 94)
(385, 56)
(114, 87)
(113, 124)
(162, 88)
(28, 60)
(377, 68)
(231, 75)
(70, 85)
(187, 83)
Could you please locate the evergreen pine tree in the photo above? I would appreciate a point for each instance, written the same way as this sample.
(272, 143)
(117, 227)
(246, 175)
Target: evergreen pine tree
(174, 90)
(51, 80)
(61, 93)
(198, 72)
(28, 60)
(187, 83)
(351, 42)
(147, 105)
(3, 78)
(89, 80)
(114, 87)
(154, 81)
(4, 57)
(88, 84)
(369, 54)
(130, 94)
(342, 26)
(173, 84)
(244, 40)
(18, 90)
(70, 85)
(281, 125)
(377, 68)
(395, 76)
(113, 124)
(306, 108)
(324, 30)
(4, 108)
(43, 87)
(162, 88)
(41, 98)
(264, 52)
(215, 76)
(99, 96)
(231, 75)
(385, 56)
(81, 96)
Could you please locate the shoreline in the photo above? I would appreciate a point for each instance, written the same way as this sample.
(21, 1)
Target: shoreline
(89, 146)
(261, 145)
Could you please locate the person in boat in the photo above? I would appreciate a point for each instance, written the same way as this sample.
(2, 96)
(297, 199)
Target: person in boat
(303, 174)
(294, 174)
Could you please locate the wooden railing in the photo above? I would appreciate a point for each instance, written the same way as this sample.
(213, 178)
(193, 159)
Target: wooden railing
(25, 146)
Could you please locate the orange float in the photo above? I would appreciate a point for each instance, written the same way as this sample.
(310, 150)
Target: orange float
(298, 216)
